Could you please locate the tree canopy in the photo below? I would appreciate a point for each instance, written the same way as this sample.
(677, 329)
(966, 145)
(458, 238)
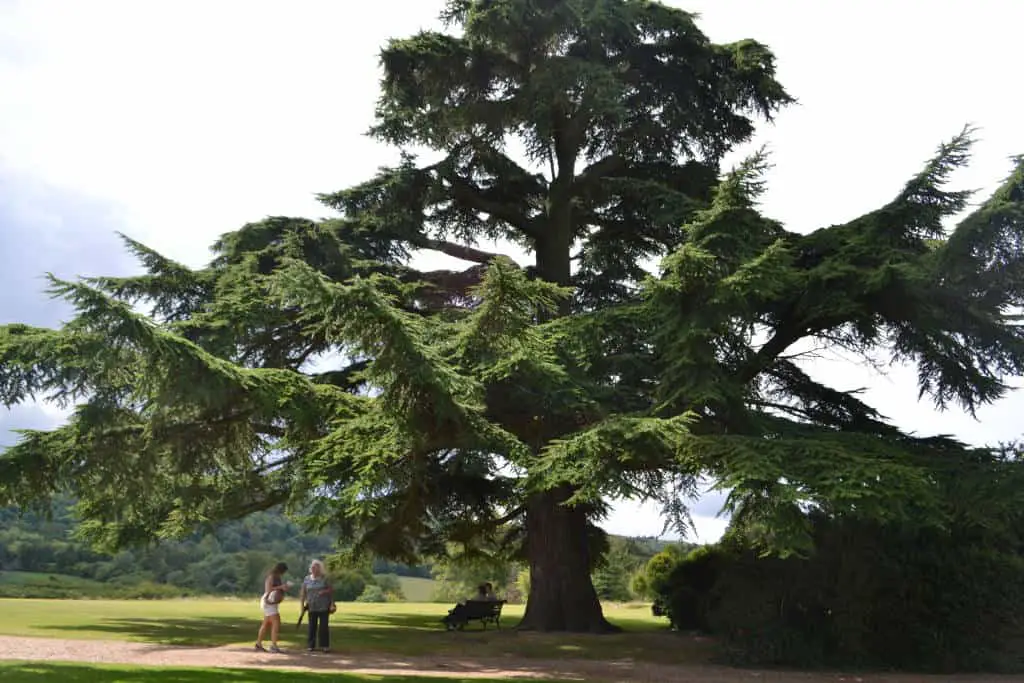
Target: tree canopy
(309, 364)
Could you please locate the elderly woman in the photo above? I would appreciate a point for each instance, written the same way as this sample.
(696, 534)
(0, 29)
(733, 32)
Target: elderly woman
(318, 596)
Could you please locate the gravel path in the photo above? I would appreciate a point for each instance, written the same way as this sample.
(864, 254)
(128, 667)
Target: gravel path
(120, 652)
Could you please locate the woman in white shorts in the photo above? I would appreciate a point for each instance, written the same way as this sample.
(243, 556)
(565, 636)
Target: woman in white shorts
(274, 587)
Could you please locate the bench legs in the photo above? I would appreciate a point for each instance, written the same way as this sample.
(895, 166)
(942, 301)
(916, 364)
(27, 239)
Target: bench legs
(460, 624)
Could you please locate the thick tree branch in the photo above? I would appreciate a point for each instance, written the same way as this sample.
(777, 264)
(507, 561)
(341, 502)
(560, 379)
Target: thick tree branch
(344, 378)
(304, 356)
(515, 512)
(450, 282)
(269, 430)
(458, 251)
(263, 468)
(784, 337)
(472, 197)
(600, 169)
(795, 411)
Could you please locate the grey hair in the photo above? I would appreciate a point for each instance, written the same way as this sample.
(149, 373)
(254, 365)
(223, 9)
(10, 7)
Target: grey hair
(318, 563)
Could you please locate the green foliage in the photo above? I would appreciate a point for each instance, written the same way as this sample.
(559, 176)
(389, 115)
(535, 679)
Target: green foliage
(612, 578)
(685, 589)
(623, 561)
(633, 89)
(873, 593)
(742, 291)
(522, 585)
(383, 566)
(651, 580)
(308, 365)
(391, 586)
(372, 593)
(63, 587)
(349, 584)
(458, 577)
(232, 559)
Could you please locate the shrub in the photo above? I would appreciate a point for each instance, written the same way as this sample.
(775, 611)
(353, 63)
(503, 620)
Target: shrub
(348, 584)
(653, 578)
(372, 593)
(685, 589)
(870, 595)
(391, 586)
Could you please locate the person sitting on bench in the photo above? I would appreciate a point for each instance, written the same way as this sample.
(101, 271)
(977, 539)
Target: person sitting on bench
(457, 615)
(485, 593)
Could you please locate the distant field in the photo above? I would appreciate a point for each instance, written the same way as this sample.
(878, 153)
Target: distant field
(396, 628)
(15, 584)
(61, 586)
(418, 589)
(41, 579)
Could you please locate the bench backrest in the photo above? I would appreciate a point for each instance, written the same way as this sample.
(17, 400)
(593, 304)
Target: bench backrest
(483, 608)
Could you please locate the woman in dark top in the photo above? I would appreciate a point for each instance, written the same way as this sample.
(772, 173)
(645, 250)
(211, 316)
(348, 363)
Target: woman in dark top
(274, 587)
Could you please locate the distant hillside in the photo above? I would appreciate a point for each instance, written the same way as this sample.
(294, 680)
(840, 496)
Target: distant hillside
(229, 561)
(65, 587)
(232, 560)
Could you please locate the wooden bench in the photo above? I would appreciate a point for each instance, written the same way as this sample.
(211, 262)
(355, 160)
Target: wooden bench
(484, 611)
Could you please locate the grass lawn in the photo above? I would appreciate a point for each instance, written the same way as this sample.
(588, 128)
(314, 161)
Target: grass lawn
(397, 628)
(418, 589)
(35, 672)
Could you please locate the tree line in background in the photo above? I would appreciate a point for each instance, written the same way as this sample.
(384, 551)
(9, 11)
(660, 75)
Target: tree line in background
(233, 558)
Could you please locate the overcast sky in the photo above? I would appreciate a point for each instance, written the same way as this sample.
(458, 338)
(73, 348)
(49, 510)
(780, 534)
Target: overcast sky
(176, 121)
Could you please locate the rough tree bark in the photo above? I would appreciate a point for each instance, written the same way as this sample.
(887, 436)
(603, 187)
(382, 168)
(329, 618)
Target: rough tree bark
(562, 596)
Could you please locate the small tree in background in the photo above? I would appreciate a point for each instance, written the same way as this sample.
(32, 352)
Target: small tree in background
(613, 574)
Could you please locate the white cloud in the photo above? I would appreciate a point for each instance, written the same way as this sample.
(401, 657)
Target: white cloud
(193, 117)
(644, 519)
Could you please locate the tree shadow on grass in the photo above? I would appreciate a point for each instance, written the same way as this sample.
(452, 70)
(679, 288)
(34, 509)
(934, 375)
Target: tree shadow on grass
(401, 634)
(32, 672)
(408, 635)
(209, 631)
(200, 631)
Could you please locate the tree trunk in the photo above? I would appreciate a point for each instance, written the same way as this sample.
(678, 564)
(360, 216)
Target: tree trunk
(562, 595)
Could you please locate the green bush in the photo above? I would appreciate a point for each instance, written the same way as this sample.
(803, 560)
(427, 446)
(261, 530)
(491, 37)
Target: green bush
(769, 611)
(686, 595)
(391, 587)
(348, 584)
(372, 593)
(870, 595)
(653, 579)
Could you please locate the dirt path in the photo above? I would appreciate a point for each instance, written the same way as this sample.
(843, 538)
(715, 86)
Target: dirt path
(120, 652)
